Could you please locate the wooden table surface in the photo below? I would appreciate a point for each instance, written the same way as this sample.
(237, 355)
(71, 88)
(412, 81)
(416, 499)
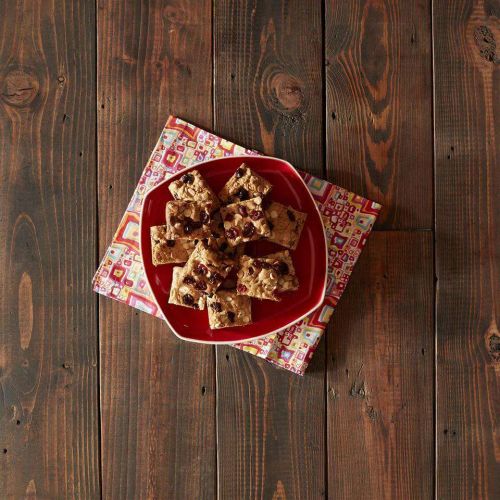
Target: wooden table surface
(396, 100)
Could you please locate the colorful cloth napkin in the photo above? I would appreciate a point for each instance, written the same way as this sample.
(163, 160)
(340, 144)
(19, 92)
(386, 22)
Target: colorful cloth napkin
(348, 220)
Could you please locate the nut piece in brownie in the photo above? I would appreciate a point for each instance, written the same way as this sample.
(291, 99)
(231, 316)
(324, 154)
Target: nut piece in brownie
(243, 185)
(257, 278)
(186, 219)
(193, 187)
(228, 309)
(206, 268)
(165, 251)
(183, 295)
(286, 224)
(283, 265)
(244, 221)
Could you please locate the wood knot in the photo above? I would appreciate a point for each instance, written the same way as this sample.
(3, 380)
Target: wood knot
(175, 15)
(19, 88)
(486, 44)
(494, 347)
(287, 92)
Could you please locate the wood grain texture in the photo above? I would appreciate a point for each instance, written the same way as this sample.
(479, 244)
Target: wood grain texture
(379, 106)
(268, 78)
(467, 153)
(380, 373)
(49, 416)
(271, 429)
(157, 393)
(268, 95)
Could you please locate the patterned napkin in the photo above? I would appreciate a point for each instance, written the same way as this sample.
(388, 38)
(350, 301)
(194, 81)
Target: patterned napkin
(348, 220)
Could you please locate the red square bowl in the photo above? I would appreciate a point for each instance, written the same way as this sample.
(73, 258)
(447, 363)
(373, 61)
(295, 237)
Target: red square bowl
(310, 258)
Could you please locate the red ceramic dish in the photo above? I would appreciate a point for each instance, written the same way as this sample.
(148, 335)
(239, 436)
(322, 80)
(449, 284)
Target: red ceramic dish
(310, 258)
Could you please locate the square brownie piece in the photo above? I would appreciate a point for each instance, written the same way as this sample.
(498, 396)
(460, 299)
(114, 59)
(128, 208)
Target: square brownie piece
(286, 224)
(206, 268)
(183, 295)
(193, 187)
(243, 185)
(165, 251)
(257, 278)
(228, 309)
(186, 219)
(245, 221)
(283, 265)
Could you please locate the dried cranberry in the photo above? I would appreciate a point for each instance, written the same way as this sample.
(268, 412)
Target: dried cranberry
(270, 224)
(248, 230)
(215, 277)
(240, 173)
(188, 299)
(189, 280)
(170, 243)
(256, 214)
(243, 211)
(187, 178)
(242, 194)
(216, 306)
(201, 269)
(280, 267)
(291, 215)
(232, 233)
(251, 270)
(229, 217)
(241, 288)
(231, 316)
(260, 264)
(188, 228)
(200, 285)
(204, 217)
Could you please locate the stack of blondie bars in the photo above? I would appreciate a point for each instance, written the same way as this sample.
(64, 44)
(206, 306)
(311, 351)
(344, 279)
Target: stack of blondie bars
(207, 233)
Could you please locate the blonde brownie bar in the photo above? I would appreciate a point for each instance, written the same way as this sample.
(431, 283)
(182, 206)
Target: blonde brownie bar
(257, 278)
(245, 221)
(183, 295)
(206, 268)
(165, 251)
(243, 185)
(193, 187)
(283, 265)
(186, 219)
(285, 224)
(228, 309)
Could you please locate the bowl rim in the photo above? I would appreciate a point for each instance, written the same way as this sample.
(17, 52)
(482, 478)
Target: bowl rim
(256, 337)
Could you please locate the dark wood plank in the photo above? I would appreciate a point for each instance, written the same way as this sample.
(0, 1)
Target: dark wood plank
(379, 106)
(268, 78)
(467, 153)
(158, 394)
(268, 95)
(380, 373)
(271, 428)
(49, 414)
